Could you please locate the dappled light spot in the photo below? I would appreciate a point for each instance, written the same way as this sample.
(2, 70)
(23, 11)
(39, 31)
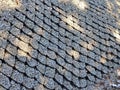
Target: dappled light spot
(24, 38)
(90, 46)
(68, 20)
(117, 2)
(77, 27)
(113, 7)
(118, 21)
(81, 4)
(116, 35)
(72, 22)
(118, 5)
(24, 46)
(75, 54)
(4, 33)
(103, 60)
(13, 3)
(9, 4)
(118, 72)
(84, 44)
(109, 4)
(70, 17)
(110, 56)
(22, 53)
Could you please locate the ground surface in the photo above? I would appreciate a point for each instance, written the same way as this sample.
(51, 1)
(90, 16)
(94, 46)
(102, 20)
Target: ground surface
(59, 44)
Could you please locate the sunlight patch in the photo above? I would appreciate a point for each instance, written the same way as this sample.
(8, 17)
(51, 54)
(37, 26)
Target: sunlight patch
(81, 4)
(73, 22)
(90, 46)
(23, 54)
(103, 60)
(117, 35)
(75, 54)
(9, 4)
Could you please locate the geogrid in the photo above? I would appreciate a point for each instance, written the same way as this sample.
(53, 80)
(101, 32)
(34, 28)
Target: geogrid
(59, 44)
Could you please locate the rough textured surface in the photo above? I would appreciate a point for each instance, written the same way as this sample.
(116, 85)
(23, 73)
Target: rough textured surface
(59, 44)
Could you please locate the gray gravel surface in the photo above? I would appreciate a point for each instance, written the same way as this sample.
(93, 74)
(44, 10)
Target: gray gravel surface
(59, 45)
